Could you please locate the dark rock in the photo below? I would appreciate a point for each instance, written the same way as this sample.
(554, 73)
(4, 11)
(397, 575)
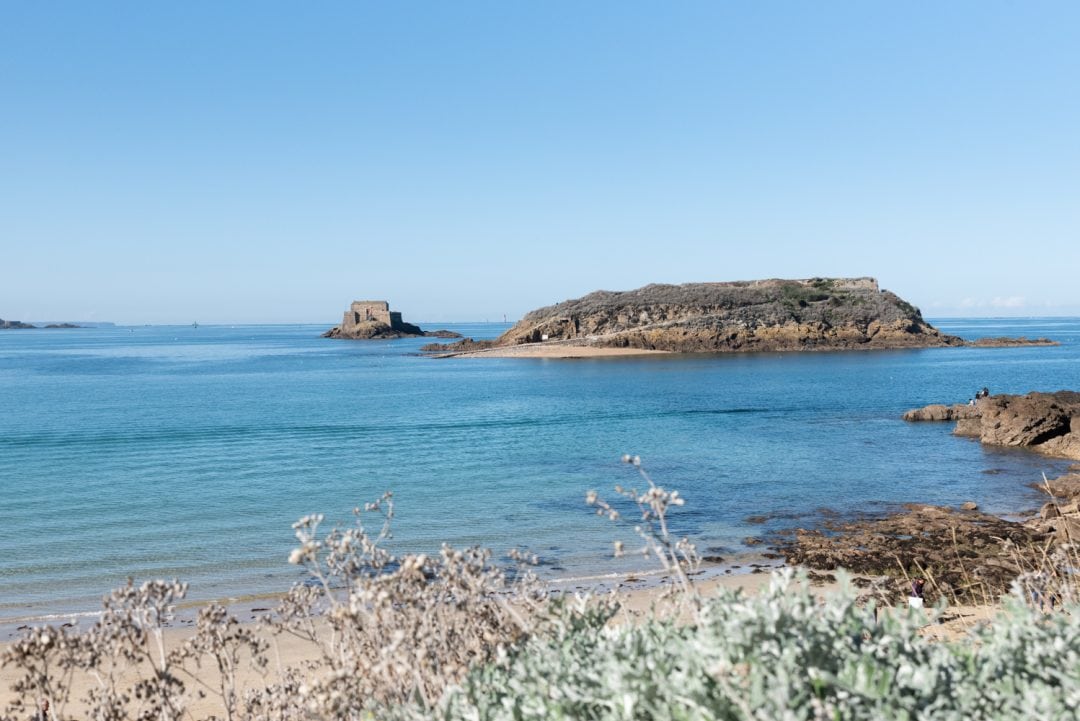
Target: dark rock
(462, 346)
(13, 325)
(1045, 422)
(939, 412)
(971, 556)
(1064, 487)
(1003, 342)
(1049, 511)
(441, 334)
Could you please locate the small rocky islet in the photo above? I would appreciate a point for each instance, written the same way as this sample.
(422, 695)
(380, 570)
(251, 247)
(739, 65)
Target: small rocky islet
(373, 320)
(739, 316)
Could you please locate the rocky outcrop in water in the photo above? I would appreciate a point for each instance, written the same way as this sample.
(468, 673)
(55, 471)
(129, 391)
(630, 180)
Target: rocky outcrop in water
(465, 345)
(373, 320)
(761, 315)
(1003, 342)
(1044, 422)
(13, 325)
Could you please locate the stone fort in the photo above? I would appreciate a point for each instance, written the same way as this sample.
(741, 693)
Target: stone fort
(370, 311)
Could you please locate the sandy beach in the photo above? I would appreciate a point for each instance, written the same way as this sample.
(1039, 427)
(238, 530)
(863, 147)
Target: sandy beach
(636, 596)
(554, 350)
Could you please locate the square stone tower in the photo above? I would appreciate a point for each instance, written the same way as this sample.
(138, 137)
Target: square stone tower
(364, 311)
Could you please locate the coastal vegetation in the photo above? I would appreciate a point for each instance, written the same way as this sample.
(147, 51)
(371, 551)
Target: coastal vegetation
(454, 636)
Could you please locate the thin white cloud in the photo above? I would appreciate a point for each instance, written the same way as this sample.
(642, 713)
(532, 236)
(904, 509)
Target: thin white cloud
(1013, 301)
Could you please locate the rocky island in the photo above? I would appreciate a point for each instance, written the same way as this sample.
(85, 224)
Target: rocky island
(741, 316)
(16, 324)
(373, 320)
(13, 325)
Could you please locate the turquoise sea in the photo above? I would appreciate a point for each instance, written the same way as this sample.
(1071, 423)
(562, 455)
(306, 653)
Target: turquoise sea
(189, 452)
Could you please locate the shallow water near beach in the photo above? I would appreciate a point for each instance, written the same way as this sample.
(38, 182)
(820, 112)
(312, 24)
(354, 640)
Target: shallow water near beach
(189, 452)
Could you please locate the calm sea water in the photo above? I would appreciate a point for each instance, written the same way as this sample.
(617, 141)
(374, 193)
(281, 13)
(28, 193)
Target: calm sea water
(188, 452)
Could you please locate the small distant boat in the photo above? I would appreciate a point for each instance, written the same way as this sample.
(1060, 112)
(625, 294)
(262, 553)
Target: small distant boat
(195, 324)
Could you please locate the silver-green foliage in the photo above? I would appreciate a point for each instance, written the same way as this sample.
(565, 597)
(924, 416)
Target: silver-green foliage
(779, 655)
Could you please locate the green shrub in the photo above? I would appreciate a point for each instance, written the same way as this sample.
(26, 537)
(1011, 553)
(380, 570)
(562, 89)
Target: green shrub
(779, 655)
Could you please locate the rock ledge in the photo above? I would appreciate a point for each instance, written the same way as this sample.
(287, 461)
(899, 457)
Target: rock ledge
(1045, 422)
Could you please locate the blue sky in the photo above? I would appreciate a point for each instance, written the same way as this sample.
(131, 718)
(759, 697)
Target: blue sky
(270, 162)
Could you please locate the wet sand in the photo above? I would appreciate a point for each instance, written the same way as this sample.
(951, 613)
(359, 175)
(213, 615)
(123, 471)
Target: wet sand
(555, 350)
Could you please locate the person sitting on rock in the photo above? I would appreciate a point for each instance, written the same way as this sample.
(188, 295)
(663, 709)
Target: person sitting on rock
(917, 587)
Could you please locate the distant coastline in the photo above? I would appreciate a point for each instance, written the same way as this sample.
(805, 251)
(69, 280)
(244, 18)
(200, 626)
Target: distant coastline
(52, 324)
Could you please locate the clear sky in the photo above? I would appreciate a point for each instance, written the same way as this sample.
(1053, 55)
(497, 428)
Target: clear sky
(270, 162)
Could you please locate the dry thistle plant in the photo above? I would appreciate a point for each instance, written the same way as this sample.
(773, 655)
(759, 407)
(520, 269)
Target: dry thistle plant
(134, 675)
(398, 629)
(388, 630)
(1049, 575)
(679, 557)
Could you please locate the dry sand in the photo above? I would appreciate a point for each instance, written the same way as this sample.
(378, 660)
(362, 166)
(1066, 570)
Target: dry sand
(636, 596)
